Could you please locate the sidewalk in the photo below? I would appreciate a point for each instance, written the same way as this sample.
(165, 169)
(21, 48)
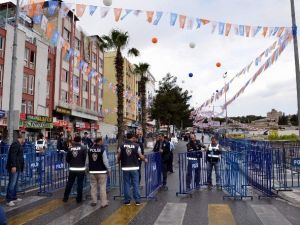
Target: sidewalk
(291, 196)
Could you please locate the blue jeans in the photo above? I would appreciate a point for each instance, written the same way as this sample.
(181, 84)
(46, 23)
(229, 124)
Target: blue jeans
(210, 166)
(11, 194)
(3, 220)
(131, 178)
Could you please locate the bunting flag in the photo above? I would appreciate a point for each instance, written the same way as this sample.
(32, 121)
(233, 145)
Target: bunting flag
(248, 29)
(92, 9)
(54, 38)
(81, 64)
(280, 31)
(149, 15)
(204, 21)
(37, 19)
(236, 29)
(44, 23)
(213, 25)
(158, 17)
(70, 52)
(117, 12)
(256, 30)
(50, 29)
(198, 23)
(190, 23)
(241, 30)
(182, 20)
(80, 9)
(61, 42)
(221, 28)
(265, 31)
(52, 6)
(173, 18)
(104, 11)
(137, 12)
(227, 29)
(127, 12)
(64, 9)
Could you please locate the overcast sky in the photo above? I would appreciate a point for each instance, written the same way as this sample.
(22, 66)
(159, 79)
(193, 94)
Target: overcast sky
(275, 88)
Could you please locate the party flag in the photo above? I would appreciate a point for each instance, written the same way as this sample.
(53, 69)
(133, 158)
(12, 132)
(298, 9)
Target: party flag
(91, 74)
(221, 28)
(249, 66)
(213, 25)
(204, 21)
(241, 30)
(173, 18)
(80, 8)
(104, 11)
(275, 31)
(265, 30)
(54, 38)
(280, 31)
(52, 5)
(92, 9)
(127, 12)
(182, 20)
(61, 42)
(50, 29)
(190, 23)
(158, 17)
(256, 30)
(81, 64)
(117, 12)
(236, 29)
(64, 9)
(44, 23)
(248, 29)
(137, 12)
(198, 23)
(150, 15)
(227, 29)
(88, 70)
(70, 52)
(37, 19)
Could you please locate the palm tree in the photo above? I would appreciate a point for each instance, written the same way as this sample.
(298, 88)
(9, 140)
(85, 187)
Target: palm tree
(117, 41)
(141, 70)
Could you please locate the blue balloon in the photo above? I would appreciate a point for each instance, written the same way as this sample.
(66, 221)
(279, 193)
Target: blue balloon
(191, 75)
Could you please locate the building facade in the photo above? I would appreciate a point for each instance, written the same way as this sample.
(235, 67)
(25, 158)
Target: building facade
(150, 93)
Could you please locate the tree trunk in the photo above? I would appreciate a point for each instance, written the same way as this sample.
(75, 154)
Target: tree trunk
(120, 91)
(143, 104)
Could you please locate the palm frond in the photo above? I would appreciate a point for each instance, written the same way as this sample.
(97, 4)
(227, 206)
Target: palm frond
(133, 52)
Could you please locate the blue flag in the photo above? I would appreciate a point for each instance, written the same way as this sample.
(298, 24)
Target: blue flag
(69, 54)
(256, 30)
(37, 19)
(81, 64)
(54, 38)
(241, 30)
(127, 11)
(91, 74)
(52, 7)
(158, 17)
(92, 9)
(221, 28)
(173, 18)
(198, 23)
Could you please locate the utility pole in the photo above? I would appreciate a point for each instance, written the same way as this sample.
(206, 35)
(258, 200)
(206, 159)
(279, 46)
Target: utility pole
(296, 53)
(11, 118)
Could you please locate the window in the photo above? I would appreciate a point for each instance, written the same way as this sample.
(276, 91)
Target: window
(49, 66)
(66, 35)
(93, 89)
(76, 99)
(2, 40)
(24, 107)
(26, 55)
(77, 44)
(48, 89)
(30, 84)
(29, 107)
(75, 81)
(100, 62)
(64, 96)
(25, 84)
(94, 58)
(85, 86)
(1, 75)
(93, 105)
(84, 103)
(65, 76)
(32, 60)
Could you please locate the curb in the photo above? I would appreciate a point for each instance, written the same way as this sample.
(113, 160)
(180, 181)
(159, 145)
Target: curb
(290, 197)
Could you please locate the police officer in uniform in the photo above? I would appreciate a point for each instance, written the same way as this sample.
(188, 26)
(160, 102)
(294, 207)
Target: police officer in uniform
(129, 154)
(213, 155)
(165, 151)
(194, 156)
(76, 157)
(98, 169)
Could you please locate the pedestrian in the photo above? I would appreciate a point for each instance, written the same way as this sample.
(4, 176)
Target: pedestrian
(14, 166)
(76, 157)
(213, 155)
(86, 140)
(194, 155)
(157, 144)
(202, 138)
(165, 158)
(61, 146)
(172, 148)
(99, 169)
(40, 144)
(128, 155)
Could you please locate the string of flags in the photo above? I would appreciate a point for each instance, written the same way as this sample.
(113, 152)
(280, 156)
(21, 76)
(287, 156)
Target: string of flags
(154, 17)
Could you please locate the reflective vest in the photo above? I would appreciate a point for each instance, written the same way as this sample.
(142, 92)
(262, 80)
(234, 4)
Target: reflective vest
(96, 165)
(40, 145)
(213, 153)
(129, 156)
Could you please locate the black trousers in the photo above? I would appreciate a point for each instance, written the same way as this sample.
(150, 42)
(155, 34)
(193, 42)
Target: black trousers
(170, 163)
(71, 180)
(165, 171)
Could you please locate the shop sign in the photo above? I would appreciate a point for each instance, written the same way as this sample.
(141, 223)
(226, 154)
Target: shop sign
(23, 116)
(38, 125)
(63, 110)
(60, 123)
(45, 119)
(83, 125)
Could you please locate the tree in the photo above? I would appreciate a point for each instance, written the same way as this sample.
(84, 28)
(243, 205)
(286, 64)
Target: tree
(283, 120)
(141, 70)
(170, 105)
(117, 41)
(294, 120)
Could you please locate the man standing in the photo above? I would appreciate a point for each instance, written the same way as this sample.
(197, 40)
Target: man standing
(86, 140)
(157, 143)
(98, 169)
(165, 158)
(129, 154)
(194, 156)
(213, 156)
(14, 166)
(76, 157)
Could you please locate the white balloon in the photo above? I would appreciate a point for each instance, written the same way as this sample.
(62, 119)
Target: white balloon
(192, 45)
(107, 2)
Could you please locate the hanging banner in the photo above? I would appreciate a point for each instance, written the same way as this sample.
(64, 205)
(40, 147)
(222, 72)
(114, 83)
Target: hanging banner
(158, 17)
(182, 19)
(117, 12)
(150, 15)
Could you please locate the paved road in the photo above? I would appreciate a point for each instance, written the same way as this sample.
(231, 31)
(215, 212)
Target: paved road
(204, 207)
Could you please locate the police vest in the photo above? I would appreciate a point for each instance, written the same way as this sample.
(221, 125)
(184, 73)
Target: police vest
(193, 151)
(96, 164)
(40, 145)
(129, 156)
(77, 157)
(213, 152)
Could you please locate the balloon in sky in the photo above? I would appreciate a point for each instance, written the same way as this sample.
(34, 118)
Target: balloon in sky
(107, 2)
(191, 75)
(192, 45)
(218, 64)
(154, 40)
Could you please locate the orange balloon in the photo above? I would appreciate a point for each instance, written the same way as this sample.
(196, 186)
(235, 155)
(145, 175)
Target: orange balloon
(218, 64)
(154, 40)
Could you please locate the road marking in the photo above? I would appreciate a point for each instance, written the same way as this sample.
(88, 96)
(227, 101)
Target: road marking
(124, 215)
(25, 201)
(75, 215)
(172, 214)
(220, 214)
(35, 212)
(269, 215)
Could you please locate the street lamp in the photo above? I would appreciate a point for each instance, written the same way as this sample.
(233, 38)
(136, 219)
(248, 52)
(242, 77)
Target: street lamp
(225, 87)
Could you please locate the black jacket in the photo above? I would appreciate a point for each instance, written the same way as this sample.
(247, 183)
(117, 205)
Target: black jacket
(165, 156)
(15, 157)
(156, 146)
(96, 164)
(61, 144)
(194, 149)
(87, 141)
(76, 157)
(129, 155)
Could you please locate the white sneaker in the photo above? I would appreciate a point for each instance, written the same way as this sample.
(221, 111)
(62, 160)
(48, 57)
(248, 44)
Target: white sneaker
(18, 200)
(11, 204)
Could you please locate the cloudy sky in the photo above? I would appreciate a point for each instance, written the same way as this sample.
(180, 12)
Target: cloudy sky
(275, 88)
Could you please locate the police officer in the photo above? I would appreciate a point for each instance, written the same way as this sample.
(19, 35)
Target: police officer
(194, 156)
(76, 157)
(98, 169)
(213, 155)
(129, 154)
(165, 151)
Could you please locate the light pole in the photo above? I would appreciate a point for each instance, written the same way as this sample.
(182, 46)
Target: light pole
(11, 118)
(296, 53)
(225, 90)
